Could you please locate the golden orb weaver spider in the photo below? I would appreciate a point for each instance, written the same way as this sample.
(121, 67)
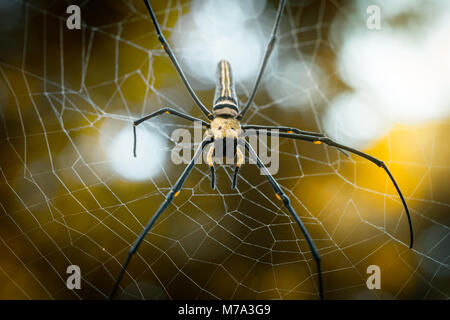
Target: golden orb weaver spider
(226, 126)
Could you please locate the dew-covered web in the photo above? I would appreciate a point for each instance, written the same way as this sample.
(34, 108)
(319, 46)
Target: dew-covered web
(72, 194)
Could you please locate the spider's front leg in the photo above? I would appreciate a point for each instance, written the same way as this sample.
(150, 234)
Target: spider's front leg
(160, 112)
(170, 196)
(174, 60)
(282, 196)
(268, 52)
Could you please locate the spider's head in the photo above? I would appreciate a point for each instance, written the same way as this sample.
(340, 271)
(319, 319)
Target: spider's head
(225, 128)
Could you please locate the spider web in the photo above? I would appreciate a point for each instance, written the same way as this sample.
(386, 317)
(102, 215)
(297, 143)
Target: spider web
(66, 94)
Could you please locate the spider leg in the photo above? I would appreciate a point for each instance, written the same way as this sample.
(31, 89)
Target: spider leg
(240, 157)
(172, 57)
(209, 158)
(282, 129)
(288, 130)
(169, 197)
(379, 163)
(235, 176)
(159, 112)
(282, 196)
(267, 54)
(213, 177)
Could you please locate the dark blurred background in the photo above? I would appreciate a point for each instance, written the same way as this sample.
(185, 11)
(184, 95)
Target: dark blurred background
(72, 194)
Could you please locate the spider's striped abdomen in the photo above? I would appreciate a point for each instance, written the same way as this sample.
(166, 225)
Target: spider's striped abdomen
(225, 99)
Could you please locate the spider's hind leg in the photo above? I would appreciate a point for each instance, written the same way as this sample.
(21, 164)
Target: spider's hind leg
(282, 196)
(174, 191)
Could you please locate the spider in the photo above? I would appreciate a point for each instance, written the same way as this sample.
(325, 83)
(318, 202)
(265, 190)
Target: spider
(225, 127)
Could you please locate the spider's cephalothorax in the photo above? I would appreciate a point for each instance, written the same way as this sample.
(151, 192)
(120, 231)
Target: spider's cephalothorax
(225, 130)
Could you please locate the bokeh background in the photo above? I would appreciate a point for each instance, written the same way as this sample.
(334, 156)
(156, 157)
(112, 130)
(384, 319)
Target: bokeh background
(72, 194)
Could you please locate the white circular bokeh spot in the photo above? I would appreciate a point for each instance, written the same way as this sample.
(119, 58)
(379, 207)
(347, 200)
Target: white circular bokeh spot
(216, 30)
(297, 83)
(405, 68)
(399, 74)
(352, 121)
(150, 154)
